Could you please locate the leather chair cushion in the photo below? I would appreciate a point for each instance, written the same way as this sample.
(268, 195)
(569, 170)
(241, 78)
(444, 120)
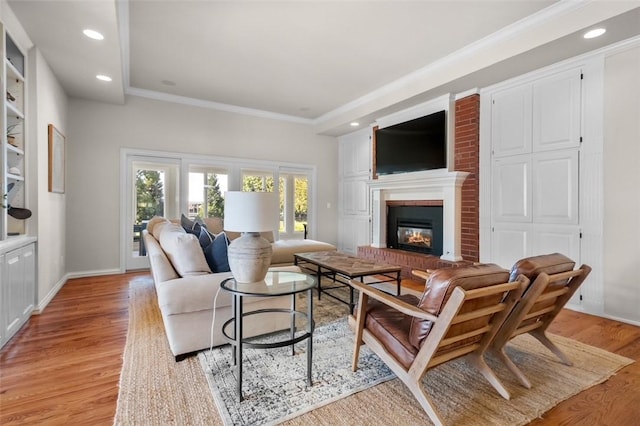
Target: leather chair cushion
(391, 328)
(439, 288)
(533, 266)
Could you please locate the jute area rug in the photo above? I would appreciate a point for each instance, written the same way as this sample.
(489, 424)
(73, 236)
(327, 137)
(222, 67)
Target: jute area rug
(155, 390)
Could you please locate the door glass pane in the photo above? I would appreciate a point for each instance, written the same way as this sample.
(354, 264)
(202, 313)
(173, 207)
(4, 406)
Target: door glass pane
(283, 191)
(206, 192)
(257, 181)
(301, 203)
(149, 201)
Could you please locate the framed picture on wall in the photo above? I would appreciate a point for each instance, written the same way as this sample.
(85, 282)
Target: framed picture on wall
(56, 160)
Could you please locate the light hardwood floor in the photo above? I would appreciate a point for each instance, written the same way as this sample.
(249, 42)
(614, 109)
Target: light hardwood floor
(63, 367)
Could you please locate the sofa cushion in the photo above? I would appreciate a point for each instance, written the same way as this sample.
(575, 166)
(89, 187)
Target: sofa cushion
(183, 250)
(283, 250)
(216, 254)
(214, 224)
(154, 221)
(158, 228)
(439, 287)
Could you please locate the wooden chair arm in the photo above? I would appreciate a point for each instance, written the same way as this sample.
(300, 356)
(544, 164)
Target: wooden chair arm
(392, 301)
(422, 274)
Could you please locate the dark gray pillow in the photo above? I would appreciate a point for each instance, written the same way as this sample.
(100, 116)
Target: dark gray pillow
(216, 254)
(191, 226)
(205, 237)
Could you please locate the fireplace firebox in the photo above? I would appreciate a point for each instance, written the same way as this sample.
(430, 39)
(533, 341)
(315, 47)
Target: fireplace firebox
(415, 236)
(415, 228)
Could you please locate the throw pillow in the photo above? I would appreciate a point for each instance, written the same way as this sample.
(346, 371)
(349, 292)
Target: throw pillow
(191, 226)
(184, 251)
(205, 237)
(216, 254)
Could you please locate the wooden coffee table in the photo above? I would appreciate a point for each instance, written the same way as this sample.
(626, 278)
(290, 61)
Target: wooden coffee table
(342, 267)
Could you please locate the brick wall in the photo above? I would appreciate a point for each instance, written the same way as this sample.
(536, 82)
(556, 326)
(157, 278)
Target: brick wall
(467, 159)
(406, 260)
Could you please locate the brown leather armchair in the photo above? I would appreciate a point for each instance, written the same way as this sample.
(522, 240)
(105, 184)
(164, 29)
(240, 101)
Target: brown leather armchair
(553, 281)
(458, 315)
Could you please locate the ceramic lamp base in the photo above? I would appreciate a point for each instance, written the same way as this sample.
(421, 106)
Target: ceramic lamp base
(249, 257)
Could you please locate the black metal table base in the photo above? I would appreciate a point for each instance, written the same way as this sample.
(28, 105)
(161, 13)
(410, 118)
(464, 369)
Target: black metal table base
(237, 344)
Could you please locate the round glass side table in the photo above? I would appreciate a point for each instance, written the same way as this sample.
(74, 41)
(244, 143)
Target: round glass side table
(276, 283)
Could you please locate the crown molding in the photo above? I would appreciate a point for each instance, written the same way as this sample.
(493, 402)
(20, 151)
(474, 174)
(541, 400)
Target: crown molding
(200, 103)
(507, 33)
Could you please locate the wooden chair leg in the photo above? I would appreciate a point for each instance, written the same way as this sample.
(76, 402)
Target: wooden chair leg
(542, 338)
(424, 400)
(502, 356)
(479, 362)
(357, 339)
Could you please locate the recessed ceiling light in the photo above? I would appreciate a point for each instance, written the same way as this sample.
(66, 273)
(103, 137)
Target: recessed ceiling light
(595, 33)
(93, 34)
(354, 124)
(103, 77)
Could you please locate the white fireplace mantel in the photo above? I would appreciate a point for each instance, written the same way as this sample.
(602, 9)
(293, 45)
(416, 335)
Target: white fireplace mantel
(431, 185)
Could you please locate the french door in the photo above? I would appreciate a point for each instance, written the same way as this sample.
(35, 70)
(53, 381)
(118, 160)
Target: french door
(152, 186)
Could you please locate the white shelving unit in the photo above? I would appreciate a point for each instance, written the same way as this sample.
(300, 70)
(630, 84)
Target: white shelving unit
(13, 138)
(17, 248)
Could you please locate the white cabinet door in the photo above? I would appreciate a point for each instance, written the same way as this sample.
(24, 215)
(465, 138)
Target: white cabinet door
(556, 111)
(28, 280)
(355, 153)
(355, 197)
(14, 291)
(3, 306)
(511, 189)
(555, 187)
(511, 121)
(556, 239)
(354, 232)
(18, 289)
(510, 242)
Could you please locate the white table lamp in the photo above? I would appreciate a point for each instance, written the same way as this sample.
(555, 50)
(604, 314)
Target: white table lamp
(250, 213)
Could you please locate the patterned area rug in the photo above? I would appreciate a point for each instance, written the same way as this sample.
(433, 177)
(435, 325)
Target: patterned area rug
(274, 382)
(155, 390)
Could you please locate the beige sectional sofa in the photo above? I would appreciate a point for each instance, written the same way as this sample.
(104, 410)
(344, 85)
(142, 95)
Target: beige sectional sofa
(186, 287)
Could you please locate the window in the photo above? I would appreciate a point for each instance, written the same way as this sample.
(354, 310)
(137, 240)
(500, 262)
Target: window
(294, 203)
(206, 191)
(257, 181)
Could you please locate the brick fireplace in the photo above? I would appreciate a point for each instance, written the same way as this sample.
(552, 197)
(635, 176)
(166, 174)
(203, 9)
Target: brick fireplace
(458, 192)
(439, 186)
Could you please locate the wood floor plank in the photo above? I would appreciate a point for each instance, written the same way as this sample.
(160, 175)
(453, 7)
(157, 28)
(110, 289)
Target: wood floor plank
(64, 366)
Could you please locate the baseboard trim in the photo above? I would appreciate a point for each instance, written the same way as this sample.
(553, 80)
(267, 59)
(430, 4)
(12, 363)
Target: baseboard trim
(84, 274)
(49, 297)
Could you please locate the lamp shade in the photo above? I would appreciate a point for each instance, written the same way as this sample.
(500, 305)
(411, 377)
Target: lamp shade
(250, 211)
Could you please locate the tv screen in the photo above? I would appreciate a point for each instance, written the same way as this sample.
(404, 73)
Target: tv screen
(419, 144)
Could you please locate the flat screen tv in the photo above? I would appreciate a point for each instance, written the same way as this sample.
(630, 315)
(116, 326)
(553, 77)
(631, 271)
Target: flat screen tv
(419, 144)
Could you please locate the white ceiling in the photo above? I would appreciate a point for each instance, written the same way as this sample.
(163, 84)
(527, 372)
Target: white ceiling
(323, 62)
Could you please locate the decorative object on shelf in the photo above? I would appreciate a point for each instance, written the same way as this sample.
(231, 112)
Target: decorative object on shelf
(56, 160)
(11, 134)
(250, 213)
(10, 97)
(15, 171)
(16, 212)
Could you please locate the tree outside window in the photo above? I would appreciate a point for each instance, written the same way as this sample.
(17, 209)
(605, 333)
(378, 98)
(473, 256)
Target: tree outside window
(150, 195)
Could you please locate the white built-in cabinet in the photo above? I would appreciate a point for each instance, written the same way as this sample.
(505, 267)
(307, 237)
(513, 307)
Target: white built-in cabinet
(17, 295)
(535, 139)
(17, 248)
(355, 170)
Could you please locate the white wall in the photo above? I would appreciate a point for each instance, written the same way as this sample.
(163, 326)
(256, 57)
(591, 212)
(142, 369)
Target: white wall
(97, 131)
(622, 185)
(48, 106)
